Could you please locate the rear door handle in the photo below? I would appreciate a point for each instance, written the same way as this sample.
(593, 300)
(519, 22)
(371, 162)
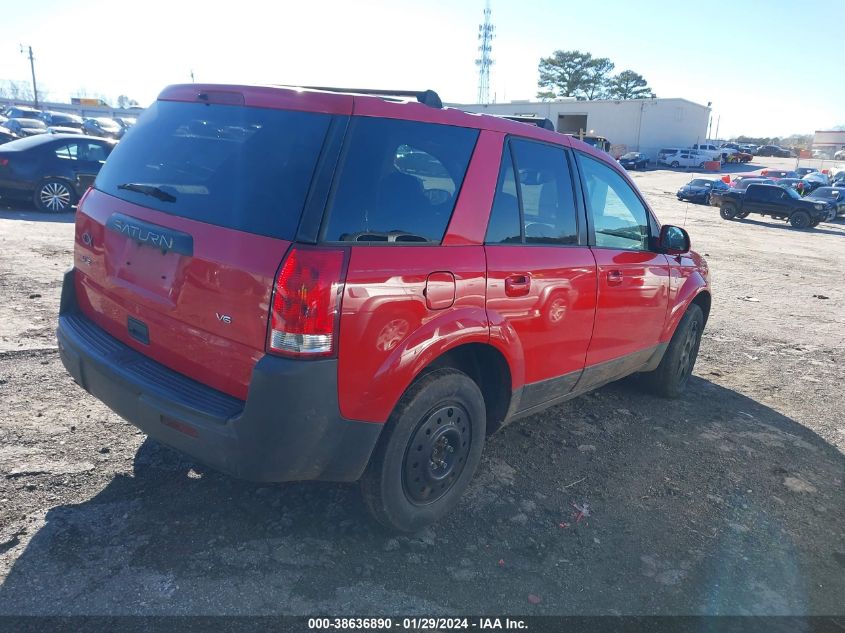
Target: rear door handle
(517, 285)
(614, 277)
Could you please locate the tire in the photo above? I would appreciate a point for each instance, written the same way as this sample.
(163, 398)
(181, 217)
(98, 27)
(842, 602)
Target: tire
(54, 196)
(675, 164)
(701, 165)
(442, 418)
(800, 220)
(707, 199)
(672, 374)
(728, 211)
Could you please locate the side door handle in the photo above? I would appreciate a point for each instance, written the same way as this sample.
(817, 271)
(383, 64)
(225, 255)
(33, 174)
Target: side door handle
(614, 278)
(517, 285)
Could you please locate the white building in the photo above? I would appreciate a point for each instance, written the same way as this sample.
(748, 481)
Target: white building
(828, 142)
(643, 125)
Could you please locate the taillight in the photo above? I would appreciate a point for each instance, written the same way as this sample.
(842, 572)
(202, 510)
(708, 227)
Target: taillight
(4, 162)
(305, 303)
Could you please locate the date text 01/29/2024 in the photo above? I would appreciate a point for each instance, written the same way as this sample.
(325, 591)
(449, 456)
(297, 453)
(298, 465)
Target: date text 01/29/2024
(415, 624)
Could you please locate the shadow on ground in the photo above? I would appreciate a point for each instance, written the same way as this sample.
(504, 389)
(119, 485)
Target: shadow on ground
(715, 504)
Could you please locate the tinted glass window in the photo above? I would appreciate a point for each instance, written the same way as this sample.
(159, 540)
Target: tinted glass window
(545, 186)
(399, 181)
(619, 217)
(504, 226)
(247, 169)
(548, 206)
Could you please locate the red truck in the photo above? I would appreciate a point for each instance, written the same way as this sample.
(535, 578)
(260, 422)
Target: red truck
(293, 284)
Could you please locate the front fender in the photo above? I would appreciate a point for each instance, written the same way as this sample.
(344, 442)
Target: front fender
(692, 286)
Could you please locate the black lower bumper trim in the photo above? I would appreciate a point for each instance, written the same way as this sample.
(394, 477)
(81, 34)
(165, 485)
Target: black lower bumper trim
(288, 429)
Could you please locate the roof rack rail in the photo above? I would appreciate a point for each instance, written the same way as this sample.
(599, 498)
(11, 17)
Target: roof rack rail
(544, 123)
(426, 97)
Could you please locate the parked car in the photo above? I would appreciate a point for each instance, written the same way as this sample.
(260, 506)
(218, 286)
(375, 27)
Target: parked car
(778, 202)
(22, 112)
(684, 158)
(778, 173)
(737, 188)
(793, 183)
(803, 171)
(700, 189)
(840, 155)
(634, 160)
(51, 170)
(62, 130)
(25, 127)
(666, 153)
(739, 157)
(62, 120)
(835, 195)
(242, 356)
(773, 150)
(709, 151)
(125, 122)
(750, 149)
(102, 127)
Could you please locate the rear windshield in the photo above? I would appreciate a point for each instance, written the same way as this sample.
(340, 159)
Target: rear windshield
(247, 169)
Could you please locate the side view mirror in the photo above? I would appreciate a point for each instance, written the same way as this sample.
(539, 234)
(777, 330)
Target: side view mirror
(673, 240)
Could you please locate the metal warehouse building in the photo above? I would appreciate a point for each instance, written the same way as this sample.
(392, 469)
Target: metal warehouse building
(643, 125)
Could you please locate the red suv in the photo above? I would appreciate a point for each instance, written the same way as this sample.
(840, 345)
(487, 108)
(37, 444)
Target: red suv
(293, 284)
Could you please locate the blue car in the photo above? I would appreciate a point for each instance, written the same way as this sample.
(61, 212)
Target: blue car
(699, 189)
(634, 160)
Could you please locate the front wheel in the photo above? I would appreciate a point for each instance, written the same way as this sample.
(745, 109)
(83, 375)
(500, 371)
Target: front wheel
(675, 164)
(728, 211)
(800, 220)
(672, 374)
(54, 196)
(428, 452)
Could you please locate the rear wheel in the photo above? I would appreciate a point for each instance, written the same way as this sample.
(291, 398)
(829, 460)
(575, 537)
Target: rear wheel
(675, 164)
(54, 196)
(428, 452)
(800, 220)
(728, 211)
(672, 374)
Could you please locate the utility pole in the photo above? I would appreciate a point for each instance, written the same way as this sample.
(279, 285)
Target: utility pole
(718, 120)
(32, 68)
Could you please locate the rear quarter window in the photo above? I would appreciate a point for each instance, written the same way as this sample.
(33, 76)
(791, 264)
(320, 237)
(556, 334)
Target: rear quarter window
(247, 169)
(398, 181)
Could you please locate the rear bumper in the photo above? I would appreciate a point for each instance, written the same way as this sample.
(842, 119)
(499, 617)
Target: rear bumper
(288, 429)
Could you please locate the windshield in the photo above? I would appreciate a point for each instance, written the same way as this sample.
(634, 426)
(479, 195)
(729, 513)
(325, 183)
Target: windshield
(244, 168)
(828, 193)
(792, 193)
(631, 156)
(700, 182)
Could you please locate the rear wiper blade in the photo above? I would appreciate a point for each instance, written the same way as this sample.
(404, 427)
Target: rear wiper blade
(148, 190)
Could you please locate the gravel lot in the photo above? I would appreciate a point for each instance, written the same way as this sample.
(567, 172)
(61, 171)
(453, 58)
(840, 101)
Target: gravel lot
(727, 502)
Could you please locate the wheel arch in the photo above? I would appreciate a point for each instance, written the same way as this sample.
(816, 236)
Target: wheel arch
(489, 369)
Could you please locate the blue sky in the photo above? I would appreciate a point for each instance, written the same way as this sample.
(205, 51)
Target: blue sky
(764, 73)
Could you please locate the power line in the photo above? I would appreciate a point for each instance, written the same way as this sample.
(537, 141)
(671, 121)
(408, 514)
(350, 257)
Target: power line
(486, 33)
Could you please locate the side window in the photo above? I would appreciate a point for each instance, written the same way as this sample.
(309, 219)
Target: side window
(545, 184)
(67, 152)
(547, 214)
(620, 219)
(95, 152)
(504, 226)
(399, 181)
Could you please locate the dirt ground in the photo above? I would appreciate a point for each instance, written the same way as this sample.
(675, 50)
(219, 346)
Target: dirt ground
(729, 501)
